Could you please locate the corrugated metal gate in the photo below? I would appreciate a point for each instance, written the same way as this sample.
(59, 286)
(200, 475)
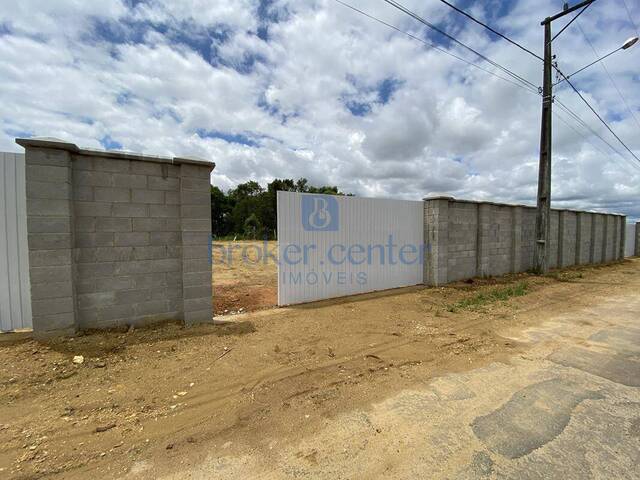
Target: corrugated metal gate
(15, 293)
(332, 246)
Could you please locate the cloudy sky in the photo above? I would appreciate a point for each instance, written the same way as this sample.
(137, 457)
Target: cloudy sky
(292, 88)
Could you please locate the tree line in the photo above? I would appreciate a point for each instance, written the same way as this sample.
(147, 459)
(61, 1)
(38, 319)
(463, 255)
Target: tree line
(249, 210)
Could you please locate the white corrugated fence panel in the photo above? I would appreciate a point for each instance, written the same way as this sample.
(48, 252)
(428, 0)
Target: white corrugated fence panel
(333, 246)
(630, 241)
(15, 293)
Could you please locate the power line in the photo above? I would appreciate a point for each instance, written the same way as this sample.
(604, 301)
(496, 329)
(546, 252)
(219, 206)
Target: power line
(462, 12)
(453, 39)
(435, 47)
(606, 70)
(598, 115)
(629, 15)
(585, 126)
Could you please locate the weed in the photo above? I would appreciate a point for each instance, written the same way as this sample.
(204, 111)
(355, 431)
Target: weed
(491, 296)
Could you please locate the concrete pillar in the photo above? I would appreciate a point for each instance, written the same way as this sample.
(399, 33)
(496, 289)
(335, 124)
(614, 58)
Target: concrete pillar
(592, 244)
(516, 239)
(116, 238)
(436, 236)
(623, 237)
(637, 249)
(605, 233)
(483, 267)
(195, 214)
(562, 221)
(50, 234)
(579, 216)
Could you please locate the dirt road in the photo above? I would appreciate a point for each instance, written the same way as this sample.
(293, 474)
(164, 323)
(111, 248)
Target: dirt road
(492, 378)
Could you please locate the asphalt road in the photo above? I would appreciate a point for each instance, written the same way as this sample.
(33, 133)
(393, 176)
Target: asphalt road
(568, 408)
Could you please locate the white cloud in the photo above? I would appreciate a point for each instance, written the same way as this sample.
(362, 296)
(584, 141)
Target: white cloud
(153, 75)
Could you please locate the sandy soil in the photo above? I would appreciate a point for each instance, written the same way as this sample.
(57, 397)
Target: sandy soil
(244, 279)
(170, 395)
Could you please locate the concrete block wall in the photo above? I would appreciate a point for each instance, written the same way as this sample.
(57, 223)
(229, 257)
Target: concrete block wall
(125, 236)
(486, 239)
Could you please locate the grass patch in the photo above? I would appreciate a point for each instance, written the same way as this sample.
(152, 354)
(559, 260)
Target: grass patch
(491, 296)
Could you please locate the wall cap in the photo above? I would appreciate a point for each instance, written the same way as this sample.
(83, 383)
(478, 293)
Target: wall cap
(56, 143)
(500, 204)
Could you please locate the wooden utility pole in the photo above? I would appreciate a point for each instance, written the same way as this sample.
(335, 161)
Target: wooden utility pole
(544, 171)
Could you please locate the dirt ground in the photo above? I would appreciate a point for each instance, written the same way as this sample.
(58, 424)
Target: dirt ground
(244, 279)
(171, 395)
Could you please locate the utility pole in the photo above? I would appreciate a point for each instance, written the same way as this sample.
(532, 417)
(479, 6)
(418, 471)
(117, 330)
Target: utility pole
(544, 170)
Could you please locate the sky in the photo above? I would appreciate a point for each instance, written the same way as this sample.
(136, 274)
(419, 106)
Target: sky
(309, 88)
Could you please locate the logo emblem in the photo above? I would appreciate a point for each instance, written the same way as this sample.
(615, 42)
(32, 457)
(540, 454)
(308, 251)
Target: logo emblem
(320, 213)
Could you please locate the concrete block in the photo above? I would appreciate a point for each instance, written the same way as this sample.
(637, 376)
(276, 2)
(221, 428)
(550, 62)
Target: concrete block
(51, 306)
(125, 239)
(196, 238)
(95, 300)
(195, 183)
(193, 265)
(199, 278)
(50, 208)
(49, 224)
(200, 316)
(148, 266)
(164, 211)
(132, 297)
(195, 211)
(92, 209)
(111, 224)
(49, 241)
(130, 210)
(150, 308)
(114, 312)
(129, 180)
(165, 238)
(196, 251)
(48, 258)
(147, 196)
(149, 224)
(112, 195)
(149, 253)
(89, 178)
(110, 284)
(60, 324)
(49, 190)
(195, 198)
(58, 158)
(146, 168)
(80, 162)
(41, 291)
(111, 165)
(49, 274)
(83, 193)
(85, 224)
(154, 280)
(47, 173)
(197, 171)
(197, 304)
(160, 183)
(95, 270)
(172, 197)
(196, 225)
(197, 291)
(90, 239)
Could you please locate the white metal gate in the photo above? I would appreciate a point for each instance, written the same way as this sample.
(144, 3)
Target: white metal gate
(15, 293)
(332, 246)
